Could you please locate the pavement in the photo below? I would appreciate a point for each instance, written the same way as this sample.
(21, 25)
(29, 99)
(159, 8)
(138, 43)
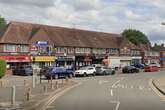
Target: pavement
(37, 96)
(118, 92)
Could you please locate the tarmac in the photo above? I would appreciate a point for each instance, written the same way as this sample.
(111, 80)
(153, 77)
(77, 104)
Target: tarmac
(159, 84)
(27, 97)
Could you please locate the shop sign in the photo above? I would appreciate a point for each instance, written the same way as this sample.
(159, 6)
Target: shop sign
(151, 57)
(162, 59)
(33, 48)
(42, 43)
(16, 58)
(66, 58)
(44, 58)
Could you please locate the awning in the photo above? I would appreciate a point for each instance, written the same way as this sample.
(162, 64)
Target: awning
(44, 58)
(16, 58)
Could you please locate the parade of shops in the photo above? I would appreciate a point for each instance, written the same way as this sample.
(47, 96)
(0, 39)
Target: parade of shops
(42, 45)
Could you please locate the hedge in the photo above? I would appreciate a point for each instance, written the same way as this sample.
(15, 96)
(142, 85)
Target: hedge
(2, 67)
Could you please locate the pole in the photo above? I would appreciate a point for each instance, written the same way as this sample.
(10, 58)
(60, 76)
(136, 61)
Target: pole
(33, 81)
(13, 95)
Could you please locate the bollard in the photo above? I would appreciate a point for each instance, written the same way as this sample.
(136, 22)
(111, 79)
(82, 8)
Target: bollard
(24, 82)
(13, 96)
(56, 84)
(66, 79)
(40, 79)
(33, 81)
(45, 89)
(28, 94)
(1, 83)
(52, 87)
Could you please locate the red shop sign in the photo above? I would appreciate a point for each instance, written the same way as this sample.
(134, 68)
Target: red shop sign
(16, 58)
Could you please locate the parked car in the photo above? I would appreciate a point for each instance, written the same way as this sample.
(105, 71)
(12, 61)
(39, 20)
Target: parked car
(58, 72)
(104, 70)
(151, 68)
(139, 65)
(155, 64)
(130, 69)
(23, 71)
(85, 71)
(44, 70)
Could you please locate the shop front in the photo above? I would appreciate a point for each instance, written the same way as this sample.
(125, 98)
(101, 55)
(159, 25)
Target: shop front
(65, 61)
(125, 61)
(151, 59)
(82, 61)
(136, 60)
(14, 61)
(42, 61)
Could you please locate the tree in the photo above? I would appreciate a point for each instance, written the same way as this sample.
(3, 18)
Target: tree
(2, 22)
(135, 36)
(2, 67)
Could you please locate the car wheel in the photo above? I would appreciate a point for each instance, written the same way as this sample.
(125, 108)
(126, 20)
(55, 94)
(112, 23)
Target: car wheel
(104, 73)
(56, 76)
(70, 75)
(113, 72)
(85, 74)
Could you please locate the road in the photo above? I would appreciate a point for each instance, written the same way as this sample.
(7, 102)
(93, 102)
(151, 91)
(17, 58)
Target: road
(118, 92)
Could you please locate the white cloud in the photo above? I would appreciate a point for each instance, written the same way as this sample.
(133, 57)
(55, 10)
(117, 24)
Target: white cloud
(100, 15)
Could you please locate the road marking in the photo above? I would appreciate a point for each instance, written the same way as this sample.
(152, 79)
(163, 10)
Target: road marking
(131, 86)
(56, 96)
(114, 84)
(155, 90)
(140, 87)
(111, 92)
(103, 81)
(118, 104)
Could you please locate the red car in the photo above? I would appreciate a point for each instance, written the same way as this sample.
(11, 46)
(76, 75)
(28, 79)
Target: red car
(151, 68)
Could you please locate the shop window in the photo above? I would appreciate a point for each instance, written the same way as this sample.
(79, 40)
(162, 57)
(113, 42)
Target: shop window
(10, 48)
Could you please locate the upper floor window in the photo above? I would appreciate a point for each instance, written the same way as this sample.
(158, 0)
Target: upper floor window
(70, 50)
(10, 48)
(24, 48)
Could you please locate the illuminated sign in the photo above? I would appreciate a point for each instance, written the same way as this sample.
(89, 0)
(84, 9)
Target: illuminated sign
(43, 58)
(42, 43)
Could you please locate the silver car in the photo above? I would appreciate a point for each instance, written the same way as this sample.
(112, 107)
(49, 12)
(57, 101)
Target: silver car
(104, 70)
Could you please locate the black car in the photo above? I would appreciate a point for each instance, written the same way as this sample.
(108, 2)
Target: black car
(139, 65)
(23, 71)
(104, 70)
(130, 69)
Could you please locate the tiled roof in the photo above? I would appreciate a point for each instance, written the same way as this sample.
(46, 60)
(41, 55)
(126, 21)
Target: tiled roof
(25, 33)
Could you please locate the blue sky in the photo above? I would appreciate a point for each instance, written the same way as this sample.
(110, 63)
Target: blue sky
(99, 15)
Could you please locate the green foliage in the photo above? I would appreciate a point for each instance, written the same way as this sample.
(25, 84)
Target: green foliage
(2, 67)
(135, 36)
(2, 22)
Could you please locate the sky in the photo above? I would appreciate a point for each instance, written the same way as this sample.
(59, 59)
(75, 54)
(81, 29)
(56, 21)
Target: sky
(112, 16)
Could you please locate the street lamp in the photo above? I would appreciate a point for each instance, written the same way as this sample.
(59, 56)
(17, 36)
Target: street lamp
(163, 23)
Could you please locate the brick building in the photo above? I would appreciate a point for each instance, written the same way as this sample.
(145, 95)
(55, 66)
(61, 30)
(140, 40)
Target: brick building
(26, 43)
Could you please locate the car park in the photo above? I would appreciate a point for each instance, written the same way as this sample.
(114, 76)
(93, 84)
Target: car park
(104, 70)
(130, 69)
(23, 70)
(58, 72)
(151, 68)
(85, 71)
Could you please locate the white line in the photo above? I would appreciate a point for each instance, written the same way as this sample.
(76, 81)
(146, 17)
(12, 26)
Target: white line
(118, 104)
(111, 92)
(115, 83)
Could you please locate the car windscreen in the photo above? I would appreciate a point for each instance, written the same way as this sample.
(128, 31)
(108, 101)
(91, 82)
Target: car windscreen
(83, 68)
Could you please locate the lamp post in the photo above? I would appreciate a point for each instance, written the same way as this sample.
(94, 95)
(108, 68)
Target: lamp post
(163, 23)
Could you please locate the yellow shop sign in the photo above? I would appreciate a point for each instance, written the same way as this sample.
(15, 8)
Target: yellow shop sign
(44, 58)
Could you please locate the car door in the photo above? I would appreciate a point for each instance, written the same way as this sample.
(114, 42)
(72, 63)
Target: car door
(90, 70)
